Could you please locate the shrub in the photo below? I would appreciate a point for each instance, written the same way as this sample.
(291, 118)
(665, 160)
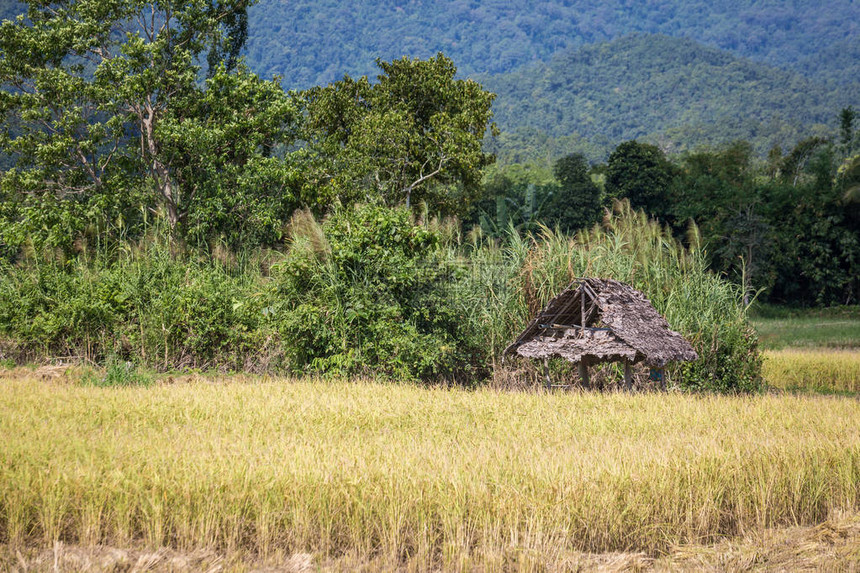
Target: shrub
(366, 293)
(143, 305)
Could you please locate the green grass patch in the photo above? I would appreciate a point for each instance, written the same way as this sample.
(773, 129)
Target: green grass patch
(836, 327)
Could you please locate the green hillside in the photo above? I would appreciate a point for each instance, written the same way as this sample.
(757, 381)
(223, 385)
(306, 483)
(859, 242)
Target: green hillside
(672, 91)
(315, 42)
(568, 77)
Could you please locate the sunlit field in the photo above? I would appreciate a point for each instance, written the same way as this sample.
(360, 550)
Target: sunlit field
(813, 370)
(413, 477)
(811, 350)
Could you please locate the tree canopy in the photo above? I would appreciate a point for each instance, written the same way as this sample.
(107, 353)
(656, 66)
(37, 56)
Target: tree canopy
(407, 137)
(640, 173)
(106, 116)
(577, 202)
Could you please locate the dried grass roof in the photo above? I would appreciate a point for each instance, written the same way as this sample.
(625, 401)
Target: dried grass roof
(620, 324)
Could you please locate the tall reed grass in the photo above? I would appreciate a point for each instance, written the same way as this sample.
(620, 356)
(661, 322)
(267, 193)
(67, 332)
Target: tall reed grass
(630, 248)
(415, 477)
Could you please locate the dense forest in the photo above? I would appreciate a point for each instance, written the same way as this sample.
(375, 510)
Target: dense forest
(313, 43)
(668, 91)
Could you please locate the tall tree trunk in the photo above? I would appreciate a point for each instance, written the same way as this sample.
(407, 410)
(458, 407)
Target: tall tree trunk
(158, 169)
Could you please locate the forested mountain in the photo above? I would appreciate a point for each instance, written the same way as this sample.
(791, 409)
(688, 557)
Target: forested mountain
(671, 91)
(584, 75)
(315, 42)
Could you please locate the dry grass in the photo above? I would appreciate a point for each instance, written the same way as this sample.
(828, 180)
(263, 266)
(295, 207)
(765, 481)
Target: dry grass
(830, 546)
(817, 370)
(401, 476)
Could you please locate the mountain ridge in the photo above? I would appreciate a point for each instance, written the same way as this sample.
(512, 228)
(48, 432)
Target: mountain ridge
(314, 42)
(496, 36)
(670, 91)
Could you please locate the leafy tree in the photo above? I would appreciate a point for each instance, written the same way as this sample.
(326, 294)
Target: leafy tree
(641, 173)
(794, 164)
(106, 116)
(816, 251)
(577, 203)
(849, 178)
(745, 248)
(402, 139)
(368, 292)
(224, 146)
(716, 189)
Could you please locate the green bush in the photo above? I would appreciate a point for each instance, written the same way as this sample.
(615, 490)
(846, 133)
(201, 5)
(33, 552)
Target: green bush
(144, 305)
(366, 294)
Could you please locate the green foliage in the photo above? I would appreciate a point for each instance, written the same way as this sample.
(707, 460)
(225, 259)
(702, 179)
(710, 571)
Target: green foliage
(223, 142)
(577, 204)
(848, 133)
(367, 294)
(106, 119)
(510, 199)
(717, 189)
(640, 173)
(145, 306)
(404, 139)
(528, 196)
(785, 229)
(118, 373)
(314, 43)
(666, 91)
(848, 178)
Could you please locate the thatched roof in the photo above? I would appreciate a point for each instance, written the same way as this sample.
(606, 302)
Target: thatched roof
(620, 324)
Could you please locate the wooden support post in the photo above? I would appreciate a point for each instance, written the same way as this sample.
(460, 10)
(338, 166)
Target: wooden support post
(583, 374)
(547, 381)
(662, 372)
(582, 314)
(628, 377)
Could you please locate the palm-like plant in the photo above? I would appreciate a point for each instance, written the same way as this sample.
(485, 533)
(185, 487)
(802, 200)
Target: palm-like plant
(849, 176)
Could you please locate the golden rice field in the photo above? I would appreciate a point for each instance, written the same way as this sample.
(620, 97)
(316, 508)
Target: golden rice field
(817, 369)
(408, 477)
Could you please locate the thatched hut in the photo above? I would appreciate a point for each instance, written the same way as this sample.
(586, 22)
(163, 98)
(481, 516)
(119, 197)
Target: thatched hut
(603, 320)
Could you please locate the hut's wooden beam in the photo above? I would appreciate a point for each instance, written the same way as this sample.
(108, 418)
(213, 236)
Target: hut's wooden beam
(582, 311)
(567, 306)
(583, 374)
(628, 376)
